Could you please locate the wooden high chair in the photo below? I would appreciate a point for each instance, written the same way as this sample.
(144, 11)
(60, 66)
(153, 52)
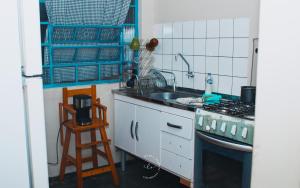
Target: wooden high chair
(98, 122)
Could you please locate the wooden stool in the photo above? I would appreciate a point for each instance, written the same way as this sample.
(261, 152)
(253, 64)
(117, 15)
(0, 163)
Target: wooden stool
(98, 123)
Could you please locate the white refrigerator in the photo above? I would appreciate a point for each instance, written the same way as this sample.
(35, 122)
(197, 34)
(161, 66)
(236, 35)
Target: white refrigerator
(23, 159)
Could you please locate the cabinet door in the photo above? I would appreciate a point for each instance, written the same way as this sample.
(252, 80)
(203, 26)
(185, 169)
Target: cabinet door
(124, 126)
(147, 131)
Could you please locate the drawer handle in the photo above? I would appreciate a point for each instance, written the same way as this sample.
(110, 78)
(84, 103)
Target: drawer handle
(131, 131)
(174, 126)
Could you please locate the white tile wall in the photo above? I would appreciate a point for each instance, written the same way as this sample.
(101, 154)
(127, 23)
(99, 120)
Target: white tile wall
(188, 47)
(225, 66)
(213, 28)
(212, 47)
(200, 29)
(199, 64)
(212, 65)
(188, 29)
(177, 30)
(199, 46)
(226, 47)
(167, 46)
(219, 46)
(226, 28)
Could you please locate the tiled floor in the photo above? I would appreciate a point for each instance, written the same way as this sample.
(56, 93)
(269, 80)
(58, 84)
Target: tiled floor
(135, 176)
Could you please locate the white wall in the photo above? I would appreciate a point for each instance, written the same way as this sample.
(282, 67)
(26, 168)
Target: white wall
(276, 161)
(166, 11)
(52, 98)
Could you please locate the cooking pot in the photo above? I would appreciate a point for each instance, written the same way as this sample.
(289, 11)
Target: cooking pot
(248, 94)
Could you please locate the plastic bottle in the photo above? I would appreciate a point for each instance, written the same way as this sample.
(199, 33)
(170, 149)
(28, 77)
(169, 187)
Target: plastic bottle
(209, 84)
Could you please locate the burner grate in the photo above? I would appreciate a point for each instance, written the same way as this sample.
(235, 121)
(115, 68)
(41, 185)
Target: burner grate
(232, 108)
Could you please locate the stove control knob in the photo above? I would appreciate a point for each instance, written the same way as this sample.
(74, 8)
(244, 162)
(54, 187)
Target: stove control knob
(223, 127)
(214, 124)
(200, 121)
(207, 128)
(244, 133)
(233, 130)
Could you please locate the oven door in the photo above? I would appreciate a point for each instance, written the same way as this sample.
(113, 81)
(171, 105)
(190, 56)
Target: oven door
(221, 163)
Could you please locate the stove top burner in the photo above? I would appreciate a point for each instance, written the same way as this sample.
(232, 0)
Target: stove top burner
(232, 108)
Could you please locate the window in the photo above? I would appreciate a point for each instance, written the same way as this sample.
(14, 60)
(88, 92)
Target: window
(86, 54)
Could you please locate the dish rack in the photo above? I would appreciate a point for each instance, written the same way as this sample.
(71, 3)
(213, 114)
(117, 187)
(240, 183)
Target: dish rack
(155, 79)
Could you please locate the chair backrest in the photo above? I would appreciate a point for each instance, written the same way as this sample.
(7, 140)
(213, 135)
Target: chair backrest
(69, 93)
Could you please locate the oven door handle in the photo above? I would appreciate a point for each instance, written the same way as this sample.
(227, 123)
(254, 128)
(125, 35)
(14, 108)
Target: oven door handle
(224, 144)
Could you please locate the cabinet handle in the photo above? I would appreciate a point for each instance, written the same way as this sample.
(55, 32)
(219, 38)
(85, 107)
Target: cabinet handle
(174, 126)
(136, 131)
(131, 131)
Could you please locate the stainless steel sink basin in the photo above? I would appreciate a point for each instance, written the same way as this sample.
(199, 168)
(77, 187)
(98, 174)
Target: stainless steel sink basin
(168, 95)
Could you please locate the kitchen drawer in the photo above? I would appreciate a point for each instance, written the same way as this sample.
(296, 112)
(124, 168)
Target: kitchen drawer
(177, 125)
(177, 164)
(177, 145)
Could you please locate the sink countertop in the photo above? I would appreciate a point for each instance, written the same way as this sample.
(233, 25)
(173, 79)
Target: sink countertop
(129, 92)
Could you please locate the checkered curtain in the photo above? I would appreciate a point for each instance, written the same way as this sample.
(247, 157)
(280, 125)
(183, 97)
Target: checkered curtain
(87, 12)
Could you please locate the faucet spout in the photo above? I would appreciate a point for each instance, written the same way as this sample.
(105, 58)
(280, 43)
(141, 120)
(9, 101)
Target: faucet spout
(190, 74)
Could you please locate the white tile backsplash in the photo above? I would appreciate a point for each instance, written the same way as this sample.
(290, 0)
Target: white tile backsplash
(199, 64)
(178, 75)
(212, 65)
(241, 47)
(241, 27)
(225, 66)
(177, 46)
(158, 61)
(213, 28)
(199, 81)
(199, 46)
(226, 47)
(177, 63)
(226, 28)
(188, 47)
(187, 82)
(212, 47)
(200, 29)
(168, 30)
(167, 62)
(177, 30)
(225, 84)
(188, 29)
(240, 67)
(219, 46)
(167, 46)
(237, 84)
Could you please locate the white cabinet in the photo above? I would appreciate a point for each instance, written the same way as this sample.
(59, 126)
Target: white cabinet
(148, 134)
(159, 134)
(124, 126)
(137, 130)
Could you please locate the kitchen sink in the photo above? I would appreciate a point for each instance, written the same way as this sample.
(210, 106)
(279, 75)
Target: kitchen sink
(168, 95)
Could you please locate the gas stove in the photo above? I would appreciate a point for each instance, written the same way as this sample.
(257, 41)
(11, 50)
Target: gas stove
(229, 119)
(232, 108)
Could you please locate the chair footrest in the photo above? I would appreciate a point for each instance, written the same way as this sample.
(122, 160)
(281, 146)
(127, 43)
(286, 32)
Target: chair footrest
(96, 171)
(88, 145)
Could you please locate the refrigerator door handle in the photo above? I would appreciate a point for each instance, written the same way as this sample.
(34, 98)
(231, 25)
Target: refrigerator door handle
(36, 131)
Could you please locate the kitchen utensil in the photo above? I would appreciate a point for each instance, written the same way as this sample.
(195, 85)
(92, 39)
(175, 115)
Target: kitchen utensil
(248, 94)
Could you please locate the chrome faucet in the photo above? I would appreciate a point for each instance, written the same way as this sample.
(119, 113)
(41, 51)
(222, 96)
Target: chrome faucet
(190, 74)
(174, 76)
